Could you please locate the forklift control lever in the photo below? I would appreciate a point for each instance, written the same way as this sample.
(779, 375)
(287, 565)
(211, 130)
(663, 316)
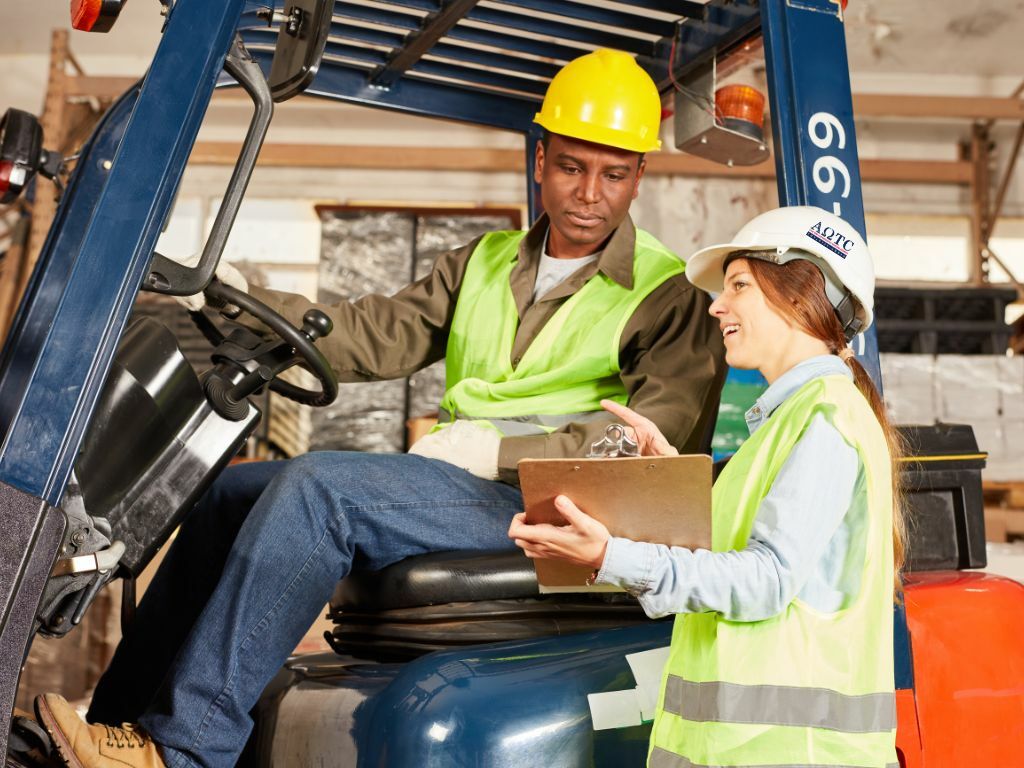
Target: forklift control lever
(168, 276)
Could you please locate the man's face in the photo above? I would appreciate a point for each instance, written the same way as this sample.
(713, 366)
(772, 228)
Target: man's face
(586, 190)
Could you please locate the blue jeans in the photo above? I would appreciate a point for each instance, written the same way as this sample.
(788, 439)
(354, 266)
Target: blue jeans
(252, 566)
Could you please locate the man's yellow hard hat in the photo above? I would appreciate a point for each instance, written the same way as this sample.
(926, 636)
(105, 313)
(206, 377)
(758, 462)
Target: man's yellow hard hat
(604, 97)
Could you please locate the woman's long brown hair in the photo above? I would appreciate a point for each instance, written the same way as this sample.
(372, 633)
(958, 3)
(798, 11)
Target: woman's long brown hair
(797, 290)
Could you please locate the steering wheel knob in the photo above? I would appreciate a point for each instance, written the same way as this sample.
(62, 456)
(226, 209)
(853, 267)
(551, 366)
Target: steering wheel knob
(316, 324)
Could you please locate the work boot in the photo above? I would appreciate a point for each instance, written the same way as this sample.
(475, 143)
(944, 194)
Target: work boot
(81, 745)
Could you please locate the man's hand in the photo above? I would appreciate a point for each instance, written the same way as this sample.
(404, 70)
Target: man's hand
(465, 445)
(225, 272)
(583, 540)
(646, 434)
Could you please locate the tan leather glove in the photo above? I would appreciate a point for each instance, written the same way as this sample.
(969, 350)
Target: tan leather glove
(225, 272)
(465, 445)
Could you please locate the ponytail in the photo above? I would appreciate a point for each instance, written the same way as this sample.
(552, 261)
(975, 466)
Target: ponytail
(797, 290)
(897, 450)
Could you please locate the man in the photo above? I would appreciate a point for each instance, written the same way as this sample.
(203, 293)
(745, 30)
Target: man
(536, 328)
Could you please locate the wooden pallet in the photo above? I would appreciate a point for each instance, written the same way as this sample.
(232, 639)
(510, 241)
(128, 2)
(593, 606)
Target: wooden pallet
(290, 426)
(1004, 510)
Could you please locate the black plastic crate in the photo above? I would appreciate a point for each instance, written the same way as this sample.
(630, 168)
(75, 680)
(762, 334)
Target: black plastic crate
(899, 304)
(905, 341)
(992, 342)
(943, 338)
(945, 507)
(961, 321)
(986, 304)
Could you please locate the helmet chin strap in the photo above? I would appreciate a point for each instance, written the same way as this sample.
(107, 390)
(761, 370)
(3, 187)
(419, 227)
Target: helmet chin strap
(842, 300)
(846, 311)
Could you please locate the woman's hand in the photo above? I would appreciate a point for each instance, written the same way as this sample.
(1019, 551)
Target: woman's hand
(582, 540)
(648, 437)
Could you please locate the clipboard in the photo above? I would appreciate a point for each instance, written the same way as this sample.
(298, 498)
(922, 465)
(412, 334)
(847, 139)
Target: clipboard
(661, 499)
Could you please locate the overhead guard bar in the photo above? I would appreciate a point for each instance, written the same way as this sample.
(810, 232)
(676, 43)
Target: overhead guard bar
(685, 8)
(528, 45)
(595, 14)
(474, 77)
(589, 35)
(371, 15)
(468, 55)
(420, 42)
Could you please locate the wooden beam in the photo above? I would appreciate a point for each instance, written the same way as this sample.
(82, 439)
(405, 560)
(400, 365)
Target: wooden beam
(977, 272)
(1004, 185)
(12, 269)
(368, 157)
(103, 88)
(229, 93)
(948, 107)
(916, 171)
(679, 164)
(898, 105)
(511, 161)
(53, 123)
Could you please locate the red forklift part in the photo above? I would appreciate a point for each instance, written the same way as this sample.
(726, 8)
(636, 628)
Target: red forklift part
(966, 630)
(95, 15)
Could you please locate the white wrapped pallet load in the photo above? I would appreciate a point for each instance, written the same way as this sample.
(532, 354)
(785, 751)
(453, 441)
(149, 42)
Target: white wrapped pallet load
(909, 387)
(1011, 386)
(968, 388)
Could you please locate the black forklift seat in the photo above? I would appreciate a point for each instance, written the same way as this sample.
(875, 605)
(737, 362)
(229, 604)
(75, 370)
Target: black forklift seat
(448, 599)
(440, 577)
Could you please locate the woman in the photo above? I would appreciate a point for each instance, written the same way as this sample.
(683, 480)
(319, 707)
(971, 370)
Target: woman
(782, 650)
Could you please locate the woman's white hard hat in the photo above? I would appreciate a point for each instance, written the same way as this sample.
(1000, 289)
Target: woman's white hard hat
(801, 232)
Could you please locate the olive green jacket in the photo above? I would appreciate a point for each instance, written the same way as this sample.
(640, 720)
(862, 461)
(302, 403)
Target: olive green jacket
(671, 353)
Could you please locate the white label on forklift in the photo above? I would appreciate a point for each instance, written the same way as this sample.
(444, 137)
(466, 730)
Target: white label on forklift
(614, 709)
(648, 666)
(647, 698)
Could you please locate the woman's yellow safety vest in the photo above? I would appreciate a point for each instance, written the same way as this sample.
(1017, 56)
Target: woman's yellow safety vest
(803, 688)
(572, 363)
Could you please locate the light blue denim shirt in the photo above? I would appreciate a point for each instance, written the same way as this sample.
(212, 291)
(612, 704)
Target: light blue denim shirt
(807, 539)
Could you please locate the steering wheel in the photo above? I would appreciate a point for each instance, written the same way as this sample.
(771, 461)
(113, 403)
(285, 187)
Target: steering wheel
(315, 325)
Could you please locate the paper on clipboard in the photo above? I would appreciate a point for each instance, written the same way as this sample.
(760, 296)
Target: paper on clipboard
(662, 499)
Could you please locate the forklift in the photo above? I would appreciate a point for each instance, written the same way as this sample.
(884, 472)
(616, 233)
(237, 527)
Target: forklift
(447, 659)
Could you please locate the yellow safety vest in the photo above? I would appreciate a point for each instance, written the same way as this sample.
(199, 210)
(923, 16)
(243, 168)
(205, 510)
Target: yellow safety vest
(803, 688)
(572, 363)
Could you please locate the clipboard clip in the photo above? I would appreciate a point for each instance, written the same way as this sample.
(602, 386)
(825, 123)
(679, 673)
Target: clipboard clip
(615, 443)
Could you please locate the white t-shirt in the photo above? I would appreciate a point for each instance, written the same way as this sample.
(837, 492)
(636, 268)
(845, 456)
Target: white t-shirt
(551, 272)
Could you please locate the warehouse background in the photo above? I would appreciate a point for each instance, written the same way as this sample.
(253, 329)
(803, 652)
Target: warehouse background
(348, 201)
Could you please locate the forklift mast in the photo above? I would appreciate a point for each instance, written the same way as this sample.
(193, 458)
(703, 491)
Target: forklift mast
(99, 250)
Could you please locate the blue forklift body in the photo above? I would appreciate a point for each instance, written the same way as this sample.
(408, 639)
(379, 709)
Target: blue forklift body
(483, 705)
(500, 705)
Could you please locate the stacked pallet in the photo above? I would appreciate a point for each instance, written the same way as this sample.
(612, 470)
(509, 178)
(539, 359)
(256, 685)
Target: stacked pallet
(1004, 510)
(290, 424)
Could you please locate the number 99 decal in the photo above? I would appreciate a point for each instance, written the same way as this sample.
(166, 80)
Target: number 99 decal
(828, 171)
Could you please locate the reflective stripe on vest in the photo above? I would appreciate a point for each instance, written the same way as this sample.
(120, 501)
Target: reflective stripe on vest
(780, 705)
(661, 758)
(804, 687)
(573, 361)
(537, 424)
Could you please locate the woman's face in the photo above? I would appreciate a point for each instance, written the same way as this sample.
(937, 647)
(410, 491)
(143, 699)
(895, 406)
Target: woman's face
(755, 334)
